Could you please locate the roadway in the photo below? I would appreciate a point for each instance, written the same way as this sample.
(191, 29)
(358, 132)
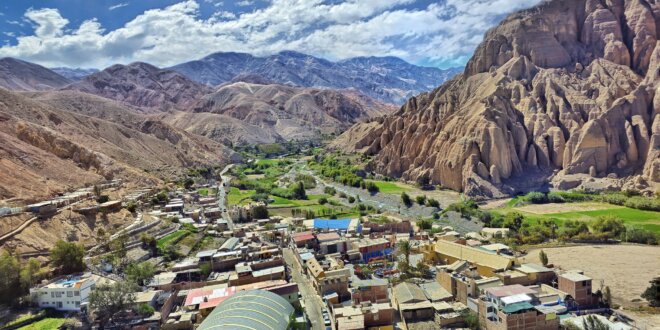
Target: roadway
(222, 195)
(313, 302)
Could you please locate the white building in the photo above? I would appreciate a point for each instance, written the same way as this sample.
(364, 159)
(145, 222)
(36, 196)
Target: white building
(65, 293)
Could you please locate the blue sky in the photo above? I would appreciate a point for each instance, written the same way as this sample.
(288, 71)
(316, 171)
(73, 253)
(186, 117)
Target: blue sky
(98, 33)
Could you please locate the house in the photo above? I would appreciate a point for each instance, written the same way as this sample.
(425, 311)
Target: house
(303, 239)
(412, 302)
(486, 262)
(372, 248)
(67, 293)
(372, 290)
(578, 286)
(363, 316)
(491, 233)
(513, 307)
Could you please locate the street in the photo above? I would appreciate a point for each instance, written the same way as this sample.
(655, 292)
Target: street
(313, 302)
(222, 195)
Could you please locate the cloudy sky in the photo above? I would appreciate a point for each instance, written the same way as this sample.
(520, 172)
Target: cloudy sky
(97, 33)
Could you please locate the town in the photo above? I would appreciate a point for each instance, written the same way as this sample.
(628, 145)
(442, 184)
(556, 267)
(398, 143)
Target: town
(271, 244)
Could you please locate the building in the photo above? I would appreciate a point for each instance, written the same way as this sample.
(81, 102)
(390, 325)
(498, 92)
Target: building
(255, 309)
(514, 307)
(491, 233)
(412, 302)
(363, 316)
(578, 286)
(486, 262)
(372, 290)
(66, 293)
(342, 225)
(372, 248)
(244, 213)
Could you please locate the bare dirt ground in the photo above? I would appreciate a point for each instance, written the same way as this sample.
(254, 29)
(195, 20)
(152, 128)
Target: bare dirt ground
(626, 269)
(564, 207)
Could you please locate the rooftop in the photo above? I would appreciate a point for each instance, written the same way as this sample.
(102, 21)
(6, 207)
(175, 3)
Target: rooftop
(575, 277)
(327, 237)
(255, 309)
(509, 290)
(406, 293)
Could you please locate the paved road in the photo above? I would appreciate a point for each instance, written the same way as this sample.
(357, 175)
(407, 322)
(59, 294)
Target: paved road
(222, 194)
(313, 302)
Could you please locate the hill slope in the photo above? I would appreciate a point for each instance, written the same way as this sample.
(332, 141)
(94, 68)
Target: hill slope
(142, 85)
(65, 139)
(570, 86)
(387, 79)
(25, 76)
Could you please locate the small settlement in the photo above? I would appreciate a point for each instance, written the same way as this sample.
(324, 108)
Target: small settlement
(365, 274)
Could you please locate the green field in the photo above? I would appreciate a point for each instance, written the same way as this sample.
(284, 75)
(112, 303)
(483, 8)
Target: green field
(282, 202)
(648, 220)
(47, 323)
(390, 187)
(239, 197)
(173, 237)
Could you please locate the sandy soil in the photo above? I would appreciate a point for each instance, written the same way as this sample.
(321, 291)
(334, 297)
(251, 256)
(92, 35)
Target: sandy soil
(626, 269)
(564, 207)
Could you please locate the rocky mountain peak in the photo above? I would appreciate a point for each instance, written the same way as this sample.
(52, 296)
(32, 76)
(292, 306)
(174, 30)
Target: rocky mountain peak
(566, 88)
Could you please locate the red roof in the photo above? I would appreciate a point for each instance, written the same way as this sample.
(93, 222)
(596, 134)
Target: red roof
(304, 236)
(215, 296)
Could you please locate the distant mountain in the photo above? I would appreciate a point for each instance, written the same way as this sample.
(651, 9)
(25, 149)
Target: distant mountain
(25, 76)
(76, 74)
(252, 113)
(388, 79)
(143, 85)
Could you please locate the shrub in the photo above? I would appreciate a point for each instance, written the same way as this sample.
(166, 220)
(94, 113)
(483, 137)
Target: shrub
(643, 203)
(102, 199)
(432, 203)
(405, 199)
(425, 224)
(323, 200)
(421, 199)
(372, 187)
(351, 199)
(536, 198)
(329, 191)
(342, 195)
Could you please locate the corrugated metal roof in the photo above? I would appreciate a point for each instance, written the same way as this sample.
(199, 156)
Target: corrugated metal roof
(517, 307)
(409, 293)
(256, 309)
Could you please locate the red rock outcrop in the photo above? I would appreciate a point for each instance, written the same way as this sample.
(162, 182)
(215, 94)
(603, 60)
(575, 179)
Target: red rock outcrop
(568, 86)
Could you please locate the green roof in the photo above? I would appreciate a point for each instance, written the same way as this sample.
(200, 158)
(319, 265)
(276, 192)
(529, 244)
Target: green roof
(250, 310)
(517, 307)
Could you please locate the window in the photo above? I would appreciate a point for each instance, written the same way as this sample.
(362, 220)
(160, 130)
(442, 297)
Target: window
(77, 293)
(69, 294)
(77, 303)
(584, 283)
(52, 294)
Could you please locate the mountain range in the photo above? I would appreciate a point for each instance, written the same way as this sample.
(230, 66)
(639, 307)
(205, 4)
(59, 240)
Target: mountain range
(145, 123)
(566, 93)
(388, 79)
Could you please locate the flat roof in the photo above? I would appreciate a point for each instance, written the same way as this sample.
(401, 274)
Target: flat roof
(327, 237)
(575, 277)
(509, 290)
(339, 224)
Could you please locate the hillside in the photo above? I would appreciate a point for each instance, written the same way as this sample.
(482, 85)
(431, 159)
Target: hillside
(564, 93)
(269, 113)
(56, 140)
(387, 79)
(142, 85)
(25, 76)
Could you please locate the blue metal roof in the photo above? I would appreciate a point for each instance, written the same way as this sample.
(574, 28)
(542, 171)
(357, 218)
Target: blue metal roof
(338, 224)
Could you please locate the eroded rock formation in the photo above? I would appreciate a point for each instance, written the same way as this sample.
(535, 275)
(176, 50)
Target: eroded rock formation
(569, 86)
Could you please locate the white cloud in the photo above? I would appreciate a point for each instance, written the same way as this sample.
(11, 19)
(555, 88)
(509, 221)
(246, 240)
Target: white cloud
(244, 3)
(446, 32)
(119, 5)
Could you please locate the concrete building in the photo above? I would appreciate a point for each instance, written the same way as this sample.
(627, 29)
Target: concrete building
(66, 293)
(255, 309)
(578, 286)
(412, 302)
(487, 263)
(372, 290)
(512, 307)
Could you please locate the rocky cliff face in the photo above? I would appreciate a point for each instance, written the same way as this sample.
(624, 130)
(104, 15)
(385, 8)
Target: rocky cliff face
(571, 86)
(388, 79)
(143, 85)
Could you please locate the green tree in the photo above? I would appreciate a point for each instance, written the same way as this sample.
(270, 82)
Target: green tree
(68, 256)
(139, 273)
(30, 273)
(188, 183)
(471, 319)
(323, 200)
(421, 199)
(608, 227)
(513, 221)
(145, 310)
(9, 278)
(351, 199)
(108, 300)
(543, 257)
(432, 203)
(205, 269)
(607, 296)
(652, 293)
(424, 224)
(299, 190)
(593, 323)
(404, 249)
(405, 199)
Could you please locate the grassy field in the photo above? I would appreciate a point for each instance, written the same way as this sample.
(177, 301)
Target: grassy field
(47, 323)
(391, 187)
(281, 202)
(173, 237)
(239, 197)
(206, 191)
(644, 219)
